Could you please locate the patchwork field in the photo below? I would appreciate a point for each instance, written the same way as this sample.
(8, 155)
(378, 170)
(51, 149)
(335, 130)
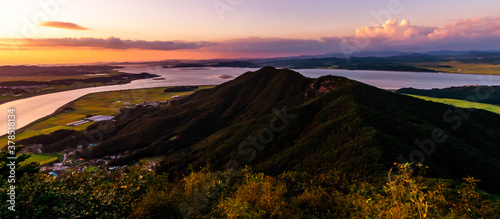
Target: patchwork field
(466, 68)
(41, 158)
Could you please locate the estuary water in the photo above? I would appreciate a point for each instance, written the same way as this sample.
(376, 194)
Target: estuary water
(34, 108)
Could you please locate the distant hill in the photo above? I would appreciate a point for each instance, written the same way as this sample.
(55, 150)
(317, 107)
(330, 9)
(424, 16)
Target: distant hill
(239, 64)
(384, 61)
(277, 120)
(234, 64)
(394, 63)
(53, 71)
(106, 79)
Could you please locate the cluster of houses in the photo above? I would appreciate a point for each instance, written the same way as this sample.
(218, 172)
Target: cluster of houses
(91, 119)
(56, 169)
(152, 103)
(149, 104)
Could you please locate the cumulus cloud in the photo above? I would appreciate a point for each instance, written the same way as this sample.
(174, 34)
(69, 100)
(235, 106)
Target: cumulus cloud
(62, 25)
(475, 28)
(466, 34)
(394, 30)
(113, 43)
(476, 33)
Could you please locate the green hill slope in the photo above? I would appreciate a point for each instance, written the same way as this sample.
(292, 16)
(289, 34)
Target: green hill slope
(277, 120)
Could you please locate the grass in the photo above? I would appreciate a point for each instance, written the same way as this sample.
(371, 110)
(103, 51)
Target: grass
(90, 169)
(103, 103)
(469, 68)
(461, 103)
(41, 158)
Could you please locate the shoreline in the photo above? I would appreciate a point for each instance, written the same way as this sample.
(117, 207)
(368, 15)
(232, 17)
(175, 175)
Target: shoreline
(441, 72)
(61, 108)
(84, 87)
(128, 82)
(339, 69)
(58, 110)
(95, 89)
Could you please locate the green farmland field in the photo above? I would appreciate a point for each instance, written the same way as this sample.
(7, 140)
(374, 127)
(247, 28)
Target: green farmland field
(462, 103)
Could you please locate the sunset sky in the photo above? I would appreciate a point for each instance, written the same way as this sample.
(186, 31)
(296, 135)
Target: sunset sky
(85, 31)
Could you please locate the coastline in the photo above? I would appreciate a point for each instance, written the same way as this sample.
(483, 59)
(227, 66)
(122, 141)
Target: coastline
(416, 72)
(72, 102)
(184, 81)
(51, 92)
(58, 110)
(128, 81)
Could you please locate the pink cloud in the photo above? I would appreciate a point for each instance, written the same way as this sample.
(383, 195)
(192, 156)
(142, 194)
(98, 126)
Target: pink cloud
(62, 25)
(476, 33)
(393, 30)
(474, 28)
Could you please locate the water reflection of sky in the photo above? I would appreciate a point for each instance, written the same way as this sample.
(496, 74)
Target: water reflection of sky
(31, 109)
(381, 79)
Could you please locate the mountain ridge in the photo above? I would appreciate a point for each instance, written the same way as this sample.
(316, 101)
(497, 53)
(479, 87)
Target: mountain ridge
(339, 124)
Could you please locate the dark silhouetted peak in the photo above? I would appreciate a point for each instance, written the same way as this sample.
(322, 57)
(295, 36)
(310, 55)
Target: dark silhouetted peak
(266, 74)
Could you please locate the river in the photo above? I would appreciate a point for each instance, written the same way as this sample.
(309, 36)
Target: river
(34, 108)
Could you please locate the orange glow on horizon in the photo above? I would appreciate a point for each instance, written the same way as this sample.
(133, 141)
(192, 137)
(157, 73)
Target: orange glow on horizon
(89, 56)
(53, 56)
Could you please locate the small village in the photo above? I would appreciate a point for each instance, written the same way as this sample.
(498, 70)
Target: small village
(69, 157)
(70, 160)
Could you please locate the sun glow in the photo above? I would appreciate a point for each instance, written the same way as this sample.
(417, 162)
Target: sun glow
(86, 55)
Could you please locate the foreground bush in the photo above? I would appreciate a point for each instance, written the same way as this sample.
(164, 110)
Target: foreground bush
(137, 192)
